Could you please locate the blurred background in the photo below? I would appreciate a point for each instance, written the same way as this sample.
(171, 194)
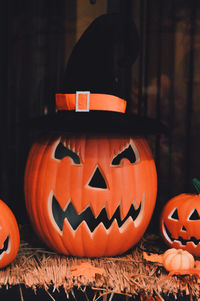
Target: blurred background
(37, 38)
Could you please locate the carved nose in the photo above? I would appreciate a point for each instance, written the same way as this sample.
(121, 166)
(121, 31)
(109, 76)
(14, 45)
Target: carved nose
(183, 229)
(97, 180)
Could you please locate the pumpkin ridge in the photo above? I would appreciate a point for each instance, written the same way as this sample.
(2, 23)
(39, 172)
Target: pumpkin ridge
(44, 179)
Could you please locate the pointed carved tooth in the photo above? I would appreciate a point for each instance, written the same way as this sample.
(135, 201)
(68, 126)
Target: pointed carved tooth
(96, 206)
(111, 207)
(99, 231)
(121, 239)
(191, 244)
(91, 243)
(129, 222)
(140, 216)
(78, 205)
(80, 242)
(98, 245)
(135, 204)
(114, 240)
(68, 238)
(177, 244)
(68, 228)
(83, 239)
(125, 207)
(114, 229)
(137, 201)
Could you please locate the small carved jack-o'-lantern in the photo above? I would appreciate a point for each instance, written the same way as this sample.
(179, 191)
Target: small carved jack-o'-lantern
(9, 235)
(90, 196)
(180, 221)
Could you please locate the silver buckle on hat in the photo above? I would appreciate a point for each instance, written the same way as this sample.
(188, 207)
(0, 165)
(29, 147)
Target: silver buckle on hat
(77, 101)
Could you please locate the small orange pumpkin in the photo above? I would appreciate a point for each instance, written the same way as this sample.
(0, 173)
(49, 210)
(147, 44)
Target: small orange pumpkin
(180, 221)
(90, 196)
(177, 260)
(9, 235)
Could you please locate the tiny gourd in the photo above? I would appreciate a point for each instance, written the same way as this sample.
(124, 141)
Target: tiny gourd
(177, 260)
(9, 235)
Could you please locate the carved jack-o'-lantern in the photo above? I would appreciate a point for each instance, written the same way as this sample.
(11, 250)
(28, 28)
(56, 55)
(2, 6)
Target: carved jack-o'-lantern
(180, 221)
(90, 196)
(9, 235)
(90, 187)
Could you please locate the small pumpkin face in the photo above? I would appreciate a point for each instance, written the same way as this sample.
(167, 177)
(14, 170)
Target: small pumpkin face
(9, 235)
(89, 196)
(180, 223)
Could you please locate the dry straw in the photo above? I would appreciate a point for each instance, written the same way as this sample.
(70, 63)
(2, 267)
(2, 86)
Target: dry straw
(130, 275)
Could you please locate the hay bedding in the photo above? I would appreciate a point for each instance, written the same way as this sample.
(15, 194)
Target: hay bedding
(130, 275)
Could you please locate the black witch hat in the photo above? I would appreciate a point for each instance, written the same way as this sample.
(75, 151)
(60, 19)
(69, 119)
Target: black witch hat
(91, 99)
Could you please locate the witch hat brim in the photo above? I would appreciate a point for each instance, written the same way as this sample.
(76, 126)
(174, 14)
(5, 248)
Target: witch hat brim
(92, 68)
(97, 122)
(74, 116)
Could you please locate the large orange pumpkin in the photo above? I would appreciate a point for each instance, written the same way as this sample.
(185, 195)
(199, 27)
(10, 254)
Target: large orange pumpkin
(90, 196)
(180, 221)
(9, 235)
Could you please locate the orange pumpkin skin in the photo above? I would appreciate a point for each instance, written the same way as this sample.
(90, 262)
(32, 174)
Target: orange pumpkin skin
(9, 235)
(62, 183)
(180, 223)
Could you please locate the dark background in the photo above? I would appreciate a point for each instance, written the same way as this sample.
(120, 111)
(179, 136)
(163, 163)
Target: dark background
(37, 38)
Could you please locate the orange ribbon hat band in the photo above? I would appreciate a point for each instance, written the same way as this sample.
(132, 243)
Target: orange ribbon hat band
(86, 101)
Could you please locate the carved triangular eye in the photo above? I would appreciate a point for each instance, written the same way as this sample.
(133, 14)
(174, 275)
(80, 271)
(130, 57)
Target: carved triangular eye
(62, 151)
(127, 153)
(174, 214)
(194, 215)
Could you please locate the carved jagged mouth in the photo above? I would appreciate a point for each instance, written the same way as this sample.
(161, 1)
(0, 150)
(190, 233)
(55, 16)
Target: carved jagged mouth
(180, 240)
(5, 247)
(88, 217)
